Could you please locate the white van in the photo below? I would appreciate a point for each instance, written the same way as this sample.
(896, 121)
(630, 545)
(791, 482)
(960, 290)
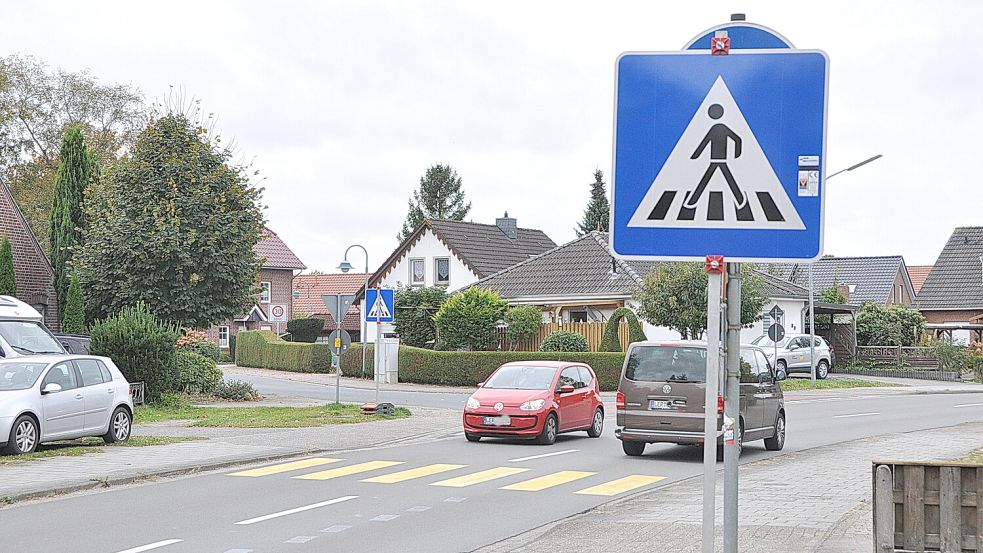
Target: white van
(22, 330)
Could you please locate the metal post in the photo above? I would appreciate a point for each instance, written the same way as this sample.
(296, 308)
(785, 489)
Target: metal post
(378, 354)
(710, 410)
(732, 406)
(812, 330)
(337, 369)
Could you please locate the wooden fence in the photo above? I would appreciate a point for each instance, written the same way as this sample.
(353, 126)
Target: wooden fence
(932, 506)
(593, 331)
(898, 356)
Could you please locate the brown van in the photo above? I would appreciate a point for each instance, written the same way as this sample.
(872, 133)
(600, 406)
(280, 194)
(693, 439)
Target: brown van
(662, 394)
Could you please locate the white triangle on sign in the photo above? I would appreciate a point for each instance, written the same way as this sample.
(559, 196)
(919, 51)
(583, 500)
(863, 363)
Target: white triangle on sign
(379, 309)
(738, 192)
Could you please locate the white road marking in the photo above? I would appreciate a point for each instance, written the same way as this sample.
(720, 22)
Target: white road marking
(531, 457)
(384, 518)
(418, 509)
(455, 499)
(335, 529)
(300, 539)
(968, 405)
(855, 415)
(289, 512)
(239, 551)
(150, 546)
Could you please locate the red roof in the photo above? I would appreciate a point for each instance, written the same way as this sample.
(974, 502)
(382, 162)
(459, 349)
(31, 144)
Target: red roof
(275, 254)
(918, 274)
(312, 287)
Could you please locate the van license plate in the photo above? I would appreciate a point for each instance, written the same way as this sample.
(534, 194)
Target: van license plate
(498, 421)
(659, 404)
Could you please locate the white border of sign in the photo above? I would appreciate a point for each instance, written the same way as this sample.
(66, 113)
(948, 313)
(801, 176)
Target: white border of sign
(822, 169)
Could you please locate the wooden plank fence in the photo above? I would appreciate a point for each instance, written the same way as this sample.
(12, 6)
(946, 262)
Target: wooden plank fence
(930, 506)
(898, 356)
(592, 331)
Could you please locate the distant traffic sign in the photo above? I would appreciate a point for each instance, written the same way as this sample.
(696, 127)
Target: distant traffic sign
(339, 341)
(776, 332)
(776, 313)
(278, 313)
(380, 306)
(719, 155)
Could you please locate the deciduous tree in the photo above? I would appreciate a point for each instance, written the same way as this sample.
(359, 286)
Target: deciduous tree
(415, 310)
(469, 318)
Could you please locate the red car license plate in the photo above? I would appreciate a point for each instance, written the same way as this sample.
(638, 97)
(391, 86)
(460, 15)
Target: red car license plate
(504, 420)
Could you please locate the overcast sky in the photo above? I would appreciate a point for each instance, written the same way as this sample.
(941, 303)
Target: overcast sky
(343, 105)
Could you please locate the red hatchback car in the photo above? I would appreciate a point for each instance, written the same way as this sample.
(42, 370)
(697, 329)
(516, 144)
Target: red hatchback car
(537, 400)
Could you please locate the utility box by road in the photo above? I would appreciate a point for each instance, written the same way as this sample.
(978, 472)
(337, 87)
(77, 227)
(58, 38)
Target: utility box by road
(387, 360)
(927, 506)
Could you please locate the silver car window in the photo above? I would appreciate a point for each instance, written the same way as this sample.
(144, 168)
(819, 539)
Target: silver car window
(19, 376)
(61, 374)
(89, 369)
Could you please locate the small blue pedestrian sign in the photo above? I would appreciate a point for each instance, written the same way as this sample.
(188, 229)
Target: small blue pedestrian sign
(380, 305)
(720, 155)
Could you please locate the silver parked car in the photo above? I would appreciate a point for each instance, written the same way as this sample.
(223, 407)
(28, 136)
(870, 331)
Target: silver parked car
(61, 397)
(793, 354)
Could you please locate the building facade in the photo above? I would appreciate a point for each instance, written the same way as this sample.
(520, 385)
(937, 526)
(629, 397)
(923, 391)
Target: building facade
(32, 270)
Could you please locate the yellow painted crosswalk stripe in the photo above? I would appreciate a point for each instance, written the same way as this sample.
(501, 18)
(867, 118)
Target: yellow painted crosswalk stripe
(548, 481)
(621, 485)
(286, 467)
(349, 470)
(479, 477)
(410, 474)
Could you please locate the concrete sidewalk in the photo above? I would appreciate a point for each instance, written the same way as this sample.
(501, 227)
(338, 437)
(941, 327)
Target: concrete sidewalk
(223, 447)
(811, 501)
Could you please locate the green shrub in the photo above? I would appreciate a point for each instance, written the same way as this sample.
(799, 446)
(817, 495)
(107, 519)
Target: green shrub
(305, 330)
(415, 310)
(236, 390)
(469, 319)
(171, 400)
(611, 341)
(523, 323)
(232, 348)
(199, 374)
(468, 368)
(562, 340)
(142, 346)
(895, 325)
(224, 357)
(351, 361)
(263, 349)
(205, 349)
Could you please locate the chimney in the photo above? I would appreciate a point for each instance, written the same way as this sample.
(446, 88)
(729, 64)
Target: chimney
(508, 226)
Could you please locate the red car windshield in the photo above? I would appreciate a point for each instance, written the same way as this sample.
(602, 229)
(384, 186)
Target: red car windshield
(515, 377)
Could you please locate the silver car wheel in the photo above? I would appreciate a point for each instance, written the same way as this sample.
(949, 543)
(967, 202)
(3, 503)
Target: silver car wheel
(26, 436)
(780, 432)
(121, 426)
(598, 422)
(823, 370)
(551, 429)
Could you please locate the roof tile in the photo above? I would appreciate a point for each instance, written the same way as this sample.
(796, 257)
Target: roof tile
(956, 279)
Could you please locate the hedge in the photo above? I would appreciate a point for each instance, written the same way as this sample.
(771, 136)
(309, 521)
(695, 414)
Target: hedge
(468, 368)
(263, 349)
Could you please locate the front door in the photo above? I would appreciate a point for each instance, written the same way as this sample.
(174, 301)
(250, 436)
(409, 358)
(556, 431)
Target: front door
(62, 411)
(571, 403)
(97, 395)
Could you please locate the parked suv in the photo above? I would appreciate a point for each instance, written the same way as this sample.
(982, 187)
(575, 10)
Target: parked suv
(662, 392)
(793, 354)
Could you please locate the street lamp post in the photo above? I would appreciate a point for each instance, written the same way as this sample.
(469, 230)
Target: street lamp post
(345, 266)
(812, 305)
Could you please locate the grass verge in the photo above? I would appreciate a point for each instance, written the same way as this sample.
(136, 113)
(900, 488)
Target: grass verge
(975, 457)
(83, 446)
(262, 417)
(795, 384)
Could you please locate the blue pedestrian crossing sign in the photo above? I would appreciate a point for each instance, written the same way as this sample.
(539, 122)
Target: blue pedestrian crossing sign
(720, 155)
(380, 305)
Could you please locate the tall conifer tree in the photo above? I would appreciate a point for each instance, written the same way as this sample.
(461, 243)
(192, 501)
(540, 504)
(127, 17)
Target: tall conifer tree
(598, 211)
(76, 167)
(439, 197)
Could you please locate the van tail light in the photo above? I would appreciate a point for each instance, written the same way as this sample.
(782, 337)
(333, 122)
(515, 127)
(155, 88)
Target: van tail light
(619, 401)
(720, 405)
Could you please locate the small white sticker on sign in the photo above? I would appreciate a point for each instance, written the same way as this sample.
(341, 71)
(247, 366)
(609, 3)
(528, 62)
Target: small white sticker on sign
(808, 176)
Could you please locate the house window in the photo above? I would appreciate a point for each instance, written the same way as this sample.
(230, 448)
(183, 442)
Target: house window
(243, 327)
(442, 271)
(418, 272)
(264, 292)
(223, 336)
(578, 316)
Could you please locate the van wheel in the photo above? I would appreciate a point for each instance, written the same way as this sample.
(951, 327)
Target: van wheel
(632, 449)
(550, 430)
(777, 442)
(822, 370)
(597, 424)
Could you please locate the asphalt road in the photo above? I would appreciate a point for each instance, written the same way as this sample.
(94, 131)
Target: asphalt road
(271, 511)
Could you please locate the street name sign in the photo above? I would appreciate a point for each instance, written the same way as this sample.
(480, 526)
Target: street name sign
(719, 154)
(380, 305)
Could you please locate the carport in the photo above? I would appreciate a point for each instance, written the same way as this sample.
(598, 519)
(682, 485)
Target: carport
(840, 331)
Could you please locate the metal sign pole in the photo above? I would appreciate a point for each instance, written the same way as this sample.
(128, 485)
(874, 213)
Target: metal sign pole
(812, 330)
(337, 369)
(378, 343)
(732, 406)
(714, 269)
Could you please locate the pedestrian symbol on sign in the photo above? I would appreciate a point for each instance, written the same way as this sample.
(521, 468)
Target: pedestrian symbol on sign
(379, 309)
(747, 192)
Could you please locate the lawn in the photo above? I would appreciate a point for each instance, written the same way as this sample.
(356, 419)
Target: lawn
(262, 417)
(74, 448)
(975, 457)
(794, 384)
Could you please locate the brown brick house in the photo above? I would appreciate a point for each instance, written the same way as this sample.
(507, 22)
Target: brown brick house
(32, 271)
(308, 302)
(275, 284)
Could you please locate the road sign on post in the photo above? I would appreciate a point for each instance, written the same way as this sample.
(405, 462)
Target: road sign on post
(380, 306)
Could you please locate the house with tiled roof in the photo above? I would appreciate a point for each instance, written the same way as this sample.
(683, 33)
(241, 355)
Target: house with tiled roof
(582, 281)
(918, 274)
(274, 293)
(456, 254)
(952, 297)
(307, 301)
(881, 279)
(33, 274)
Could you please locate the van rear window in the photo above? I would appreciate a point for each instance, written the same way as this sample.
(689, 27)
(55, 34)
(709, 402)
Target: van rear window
(667, 364)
